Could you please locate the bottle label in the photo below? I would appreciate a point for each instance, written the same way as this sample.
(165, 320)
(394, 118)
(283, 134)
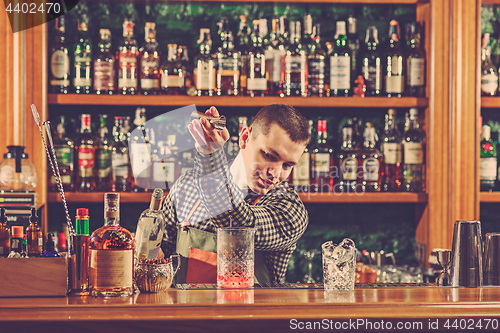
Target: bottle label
(274, 64)
(205, 75)
(111, 268)
(82, 59)
(65, 179)
(322, 163)
(164, 172)
(413, 153)
(488, 168)
(349, 168)
(392, 153)
(340, 73)
(416, 68)
(228, 67)
(119, 163)
(64, 156)
(86, 160)
(371, 167)
(489, 83)
(373, 76)
(257, 84)
(127, 75)
(295, 64)
(59, 65)
(301, 172)
(316, 72)
(82, 81)
(104, 161)
(152, 64)
(150, 84)
(104, 75)
(394, 80)
(172, 81)
(141, 159)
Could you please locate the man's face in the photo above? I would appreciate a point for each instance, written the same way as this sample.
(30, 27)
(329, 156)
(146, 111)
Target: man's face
(268, 158)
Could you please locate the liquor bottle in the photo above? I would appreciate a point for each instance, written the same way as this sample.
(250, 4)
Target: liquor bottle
(204, 72)
(59, 61)
(187, 67)
(50, 248)
(150, 229)
(274, 52)
(104, 66)
(488, 161)
(166, 167)
(111, 268)
(233, 145)
(150, 62)
(413, 154)
(353, 45)
(228, 60)
(316, 64)
(302, 170)
(172, 73)
(370, 161)
(395, 65)
(243, 48)
(294, 65)
(347, 160)
(322, 158)
(140, 153)
(391, 148)
(103, 156)
(82, 61)
(4, 234)
(120, 157)
(85, 181)
(489, 74)
(127, 59)
(415, 61)
(371, 63)
(256, 64)
(340, 64)
(34, 236)
(16, 239)
(65, 150)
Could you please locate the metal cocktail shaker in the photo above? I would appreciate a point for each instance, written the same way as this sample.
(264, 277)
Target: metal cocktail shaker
(467, 255)
(492, 260)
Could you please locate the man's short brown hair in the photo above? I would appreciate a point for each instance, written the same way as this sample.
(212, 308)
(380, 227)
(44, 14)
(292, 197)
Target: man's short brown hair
(285, 116)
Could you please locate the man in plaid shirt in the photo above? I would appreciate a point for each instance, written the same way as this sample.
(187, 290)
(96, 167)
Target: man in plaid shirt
(251, 192)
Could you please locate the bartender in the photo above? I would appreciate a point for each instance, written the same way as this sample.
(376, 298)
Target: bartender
(250, 192)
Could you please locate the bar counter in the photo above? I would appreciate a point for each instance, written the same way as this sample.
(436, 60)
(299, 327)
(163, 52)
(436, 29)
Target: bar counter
(253, 310)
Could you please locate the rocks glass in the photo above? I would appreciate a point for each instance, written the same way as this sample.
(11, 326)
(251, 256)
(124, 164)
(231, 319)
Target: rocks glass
(339, 265)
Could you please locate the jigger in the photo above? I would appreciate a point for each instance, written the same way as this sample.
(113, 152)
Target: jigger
(443, 257)
(492, 260)
(467, 255)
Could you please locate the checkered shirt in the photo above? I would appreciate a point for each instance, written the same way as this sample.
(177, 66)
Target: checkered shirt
(279, 217)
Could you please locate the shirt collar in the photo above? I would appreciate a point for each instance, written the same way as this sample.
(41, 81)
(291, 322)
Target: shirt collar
(238, 172)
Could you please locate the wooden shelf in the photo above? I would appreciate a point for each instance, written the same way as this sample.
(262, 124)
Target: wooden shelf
(491, 2)
(306, 197)
(489, 197)
(333, 102)
(490, 102)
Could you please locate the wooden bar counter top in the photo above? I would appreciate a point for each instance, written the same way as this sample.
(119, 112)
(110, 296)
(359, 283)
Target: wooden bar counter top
(260, 310)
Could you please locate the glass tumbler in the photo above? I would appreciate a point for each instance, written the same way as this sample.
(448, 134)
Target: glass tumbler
(339, 265)
(235, 257)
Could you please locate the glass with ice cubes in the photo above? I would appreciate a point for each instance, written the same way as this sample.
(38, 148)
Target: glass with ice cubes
(339, 265)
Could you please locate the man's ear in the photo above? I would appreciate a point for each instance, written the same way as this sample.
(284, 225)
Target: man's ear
(245, 136)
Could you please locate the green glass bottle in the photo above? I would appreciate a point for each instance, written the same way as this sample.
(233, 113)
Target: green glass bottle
(488, 163)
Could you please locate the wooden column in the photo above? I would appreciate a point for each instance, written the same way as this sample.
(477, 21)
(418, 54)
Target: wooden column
(23, 65)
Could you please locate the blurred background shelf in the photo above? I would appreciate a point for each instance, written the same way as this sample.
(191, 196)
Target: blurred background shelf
(162, 100)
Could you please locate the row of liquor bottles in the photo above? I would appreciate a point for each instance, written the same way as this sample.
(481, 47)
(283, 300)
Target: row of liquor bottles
(395, 163)
(284, 62)
(125, 162)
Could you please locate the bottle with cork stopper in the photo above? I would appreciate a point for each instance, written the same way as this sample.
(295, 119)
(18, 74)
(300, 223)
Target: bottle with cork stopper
(34, 236)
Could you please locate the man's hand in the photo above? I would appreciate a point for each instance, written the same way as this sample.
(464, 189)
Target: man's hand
(208, 139)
